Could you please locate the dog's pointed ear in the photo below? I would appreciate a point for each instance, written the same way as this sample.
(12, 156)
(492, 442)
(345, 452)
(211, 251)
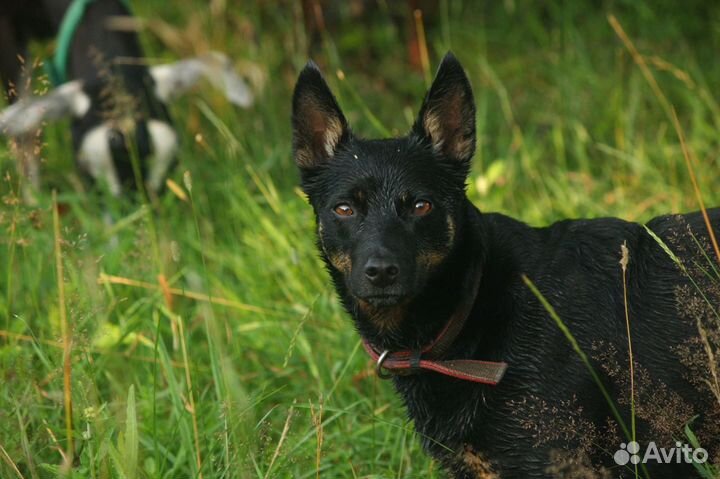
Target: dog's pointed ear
(447, 116)
(319, 126)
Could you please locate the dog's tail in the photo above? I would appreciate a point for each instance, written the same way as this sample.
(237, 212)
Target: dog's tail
(174, 79)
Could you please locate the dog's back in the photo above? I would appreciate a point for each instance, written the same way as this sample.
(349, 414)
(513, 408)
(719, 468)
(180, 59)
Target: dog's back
(548, 402)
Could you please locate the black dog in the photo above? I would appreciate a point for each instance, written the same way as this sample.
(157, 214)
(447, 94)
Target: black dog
(435, 289)
(116, 101)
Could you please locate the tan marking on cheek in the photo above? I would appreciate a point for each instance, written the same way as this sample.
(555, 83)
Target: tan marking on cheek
(431, 259)
(475, 464)
(341, 261)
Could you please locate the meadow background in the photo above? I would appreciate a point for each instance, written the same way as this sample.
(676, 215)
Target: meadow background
(267, 379)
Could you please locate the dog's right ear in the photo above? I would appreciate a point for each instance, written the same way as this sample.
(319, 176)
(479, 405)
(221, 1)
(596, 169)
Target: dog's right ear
(447, 116)
(319, 126)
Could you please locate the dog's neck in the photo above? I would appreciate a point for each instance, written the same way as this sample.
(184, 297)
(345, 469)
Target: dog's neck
(416, 323)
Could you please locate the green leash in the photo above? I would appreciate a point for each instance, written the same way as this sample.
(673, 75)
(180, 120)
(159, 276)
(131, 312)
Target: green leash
(56, 68)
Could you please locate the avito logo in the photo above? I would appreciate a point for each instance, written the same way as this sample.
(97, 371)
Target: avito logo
(681, 453)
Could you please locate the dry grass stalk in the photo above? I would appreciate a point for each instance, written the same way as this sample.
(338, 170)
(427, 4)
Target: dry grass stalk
(672, 115)
(281, 441)
(190, 406)
(641, 63)
(8, 460)
(165, 288)
(624, 260)
(110, 279)
(422, 46)
(53, 344)
(317, 422)
(176, 190)
(67, 337)
(693, 179)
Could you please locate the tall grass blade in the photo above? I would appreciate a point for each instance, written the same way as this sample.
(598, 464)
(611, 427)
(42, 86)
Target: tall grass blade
(66, 336)
(624, 260)
(132, 440)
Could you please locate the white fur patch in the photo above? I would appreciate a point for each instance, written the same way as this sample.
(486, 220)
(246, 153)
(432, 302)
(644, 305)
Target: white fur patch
(164, 147)
(174, 79)
(166, 82)
(28, 114)
(95, 157)
(77, 99)
(81, 104)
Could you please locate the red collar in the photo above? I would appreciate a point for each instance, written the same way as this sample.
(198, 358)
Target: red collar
(428, 358)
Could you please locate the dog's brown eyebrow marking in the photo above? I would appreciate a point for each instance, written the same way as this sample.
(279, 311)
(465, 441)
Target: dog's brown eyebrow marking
(360, 195)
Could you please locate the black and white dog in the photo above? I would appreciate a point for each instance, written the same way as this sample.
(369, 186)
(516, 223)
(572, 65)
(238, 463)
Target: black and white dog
(117, 103)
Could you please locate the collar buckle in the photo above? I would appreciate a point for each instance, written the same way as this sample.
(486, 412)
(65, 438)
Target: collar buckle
(379, 365)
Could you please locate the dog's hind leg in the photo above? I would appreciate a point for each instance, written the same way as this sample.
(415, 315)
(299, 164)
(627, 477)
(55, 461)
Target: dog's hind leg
(164, 147)
(95, 157)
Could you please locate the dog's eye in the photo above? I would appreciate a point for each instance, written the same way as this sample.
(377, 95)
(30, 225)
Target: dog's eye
(344, 209)
(422, 207)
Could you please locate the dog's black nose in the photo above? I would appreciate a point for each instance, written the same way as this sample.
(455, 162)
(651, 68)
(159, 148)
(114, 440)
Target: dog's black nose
(381, 272)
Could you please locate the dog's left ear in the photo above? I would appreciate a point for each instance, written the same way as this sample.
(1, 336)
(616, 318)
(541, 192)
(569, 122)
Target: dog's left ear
(319, 127)
(447, 116)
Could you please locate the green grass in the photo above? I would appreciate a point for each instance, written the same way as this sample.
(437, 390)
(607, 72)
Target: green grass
(568, 127)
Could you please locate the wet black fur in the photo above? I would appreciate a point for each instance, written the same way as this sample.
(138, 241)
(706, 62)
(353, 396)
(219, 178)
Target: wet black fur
(574, 263)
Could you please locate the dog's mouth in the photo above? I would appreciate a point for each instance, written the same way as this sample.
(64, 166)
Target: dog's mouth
(384, 311)
(383, 300)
